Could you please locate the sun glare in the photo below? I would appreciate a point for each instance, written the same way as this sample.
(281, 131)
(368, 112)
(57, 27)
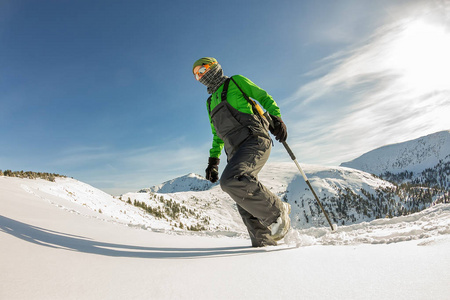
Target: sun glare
(421, 55)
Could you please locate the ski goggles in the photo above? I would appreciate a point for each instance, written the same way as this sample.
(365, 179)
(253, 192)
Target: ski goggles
(202, 70)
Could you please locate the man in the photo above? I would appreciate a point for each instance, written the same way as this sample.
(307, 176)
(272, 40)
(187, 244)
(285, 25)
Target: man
(237, 127)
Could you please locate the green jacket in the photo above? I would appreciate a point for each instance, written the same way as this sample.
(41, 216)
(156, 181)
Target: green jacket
(237, 100)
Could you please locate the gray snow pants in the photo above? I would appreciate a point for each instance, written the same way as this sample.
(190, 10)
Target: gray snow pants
(257, 205)
(247, 144)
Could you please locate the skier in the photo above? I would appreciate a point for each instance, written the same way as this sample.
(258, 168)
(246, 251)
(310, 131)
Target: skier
(243, 132)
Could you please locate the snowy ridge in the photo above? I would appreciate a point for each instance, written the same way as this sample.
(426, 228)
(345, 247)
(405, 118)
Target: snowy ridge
(211, 210)
(79, 198)
(414, 156)
(190, 182)
(191, 204)
(204, 210)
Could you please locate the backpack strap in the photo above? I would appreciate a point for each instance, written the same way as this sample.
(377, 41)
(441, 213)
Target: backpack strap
(223, 96)
(209, 104)
(252, 103)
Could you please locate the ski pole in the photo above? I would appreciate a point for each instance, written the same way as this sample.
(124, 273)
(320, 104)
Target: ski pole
(291, 154)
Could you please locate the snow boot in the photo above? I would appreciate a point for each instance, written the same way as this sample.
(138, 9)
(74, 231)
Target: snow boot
(281, 226)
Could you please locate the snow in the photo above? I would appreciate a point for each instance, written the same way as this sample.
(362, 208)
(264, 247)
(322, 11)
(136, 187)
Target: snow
(414, 156)
(190, 182)
(432, 222)
(283, 179)
(56, 244)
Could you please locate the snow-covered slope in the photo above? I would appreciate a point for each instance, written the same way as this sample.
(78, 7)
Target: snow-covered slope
(56, 244)
(349, 196)
(414, 156)
(211, 210)
(81, 198)
(191, 203)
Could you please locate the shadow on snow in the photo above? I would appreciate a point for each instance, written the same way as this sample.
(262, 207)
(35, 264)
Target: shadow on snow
(58, 240)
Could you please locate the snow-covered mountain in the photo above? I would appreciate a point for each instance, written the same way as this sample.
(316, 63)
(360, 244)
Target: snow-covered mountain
(219, 212)
(189, 182)
(191, 203)
(187, 204)
(349, 196)
(413, 156)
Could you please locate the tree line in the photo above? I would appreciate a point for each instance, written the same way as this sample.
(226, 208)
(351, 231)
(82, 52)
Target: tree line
(172, 211)
(31, 175)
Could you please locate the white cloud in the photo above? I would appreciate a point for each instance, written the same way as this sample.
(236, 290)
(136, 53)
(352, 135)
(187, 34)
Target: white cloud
(391, 88)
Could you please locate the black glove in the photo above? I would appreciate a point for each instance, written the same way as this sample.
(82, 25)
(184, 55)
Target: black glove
(212, 171)
(279, 129)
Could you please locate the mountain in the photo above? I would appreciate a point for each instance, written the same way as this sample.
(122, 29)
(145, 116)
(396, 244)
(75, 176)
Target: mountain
(213, 210)
(423, 162)
(412, 156)
(350, 196)
(189, 182)
(190, 203)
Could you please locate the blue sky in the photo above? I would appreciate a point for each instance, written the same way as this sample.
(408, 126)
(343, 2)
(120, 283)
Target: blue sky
(102, 91)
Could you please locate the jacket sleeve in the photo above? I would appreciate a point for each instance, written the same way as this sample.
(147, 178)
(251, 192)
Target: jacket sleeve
(217, 143)
(257, 93)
